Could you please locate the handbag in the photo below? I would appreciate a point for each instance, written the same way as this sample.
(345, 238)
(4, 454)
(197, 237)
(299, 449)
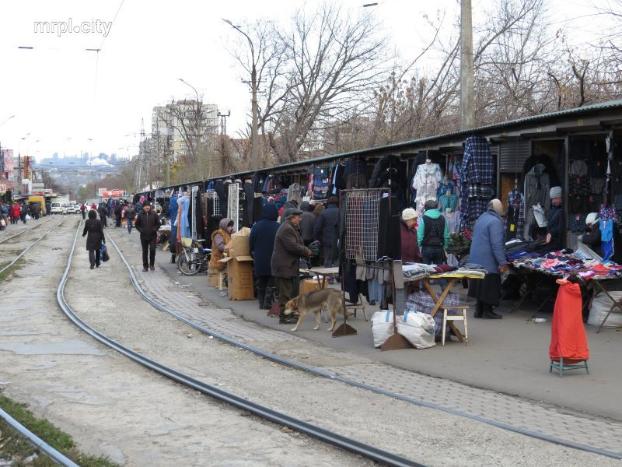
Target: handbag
(103, 253)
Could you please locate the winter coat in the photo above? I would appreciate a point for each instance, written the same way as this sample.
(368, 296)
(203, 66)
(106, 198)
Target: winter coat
(95, 231)
(147, 224)
(288, 249)
(326, 228)
(262, 239)
(220, 239)
(432, 214)
(487, 244)
(555, 226)
(15, 211)
(410, 246)
(307, 223)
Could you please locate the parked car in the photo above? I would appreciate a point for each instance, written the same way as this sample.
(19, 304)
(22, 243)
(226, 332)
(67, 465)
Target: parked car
(56, 208)
(73, 209)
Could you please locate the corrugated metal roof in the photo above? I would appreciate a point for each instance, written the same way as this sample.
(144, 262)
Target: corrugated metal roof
(426, 141)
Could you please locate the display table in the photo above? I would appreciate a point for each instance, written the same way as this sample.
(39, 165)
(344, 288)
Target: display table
(452, 278)
(321, 274)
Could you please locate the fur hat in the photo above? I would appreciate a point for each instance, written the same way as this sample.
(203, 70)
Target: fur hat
(408, 214)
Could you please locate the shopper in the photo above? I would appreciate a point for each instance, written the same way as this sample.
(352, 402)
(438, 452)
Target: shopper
(488, 251)
(148, 223)
(261, 242)
(432, 234)
(288, 249)
(23, 212)
(555, 221)
(103, 214)
(221, 242)
(408, 237)
(130, 214)
(83, 211)
(326, 231)
(95, 230)
(307, 223)
(118, 213)
(16, 213)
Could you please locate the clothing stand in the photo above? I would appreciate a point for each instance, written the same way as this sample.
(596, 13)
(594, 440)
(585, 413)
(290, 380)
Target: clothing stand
(233, 205)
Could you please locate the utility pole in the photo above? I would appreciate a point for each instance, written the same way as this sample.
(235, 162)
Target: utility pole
(467, 88)
(254, 84)
(223, 122)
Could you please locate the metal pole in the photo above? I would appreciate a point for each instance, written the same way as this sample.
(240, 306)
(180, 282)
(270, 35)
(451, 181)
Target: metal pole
(467, 97)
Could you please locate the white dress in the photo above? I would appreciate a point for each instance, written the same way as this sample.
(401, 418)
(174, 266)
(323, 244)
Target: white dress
(426, 182)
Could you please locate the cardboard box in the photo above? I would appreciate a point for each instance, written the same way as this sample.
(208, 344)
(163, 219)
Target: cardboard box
(308, 285)
(240, 278)
(240, 245)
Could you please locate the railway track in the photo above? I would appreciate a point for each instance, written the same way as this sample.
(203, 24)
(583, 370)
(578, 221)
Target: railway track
(23, 252)
(4, 239)
(336, 377)
(266, 413)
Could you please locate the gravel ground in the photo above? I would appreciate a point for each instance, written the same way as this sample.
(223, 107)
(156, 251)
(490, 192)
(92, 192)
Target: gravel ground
(420, 434)
(111, 406)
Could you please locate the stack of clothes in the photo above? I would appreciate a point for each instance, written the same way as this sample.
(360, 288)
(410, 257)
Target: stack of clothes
(566, 262)
(422, 302)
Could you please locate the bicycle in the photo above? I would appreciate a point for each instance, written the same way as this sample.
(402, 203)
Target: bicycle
(193, 258)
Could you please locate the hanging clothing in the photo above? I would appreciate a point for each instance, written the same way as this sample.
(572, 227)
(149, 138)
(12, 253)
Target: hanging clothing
(447, 203)
(320, 183)
(426, 182)
(476, 180)
(183, 227)
(389, 240)
(515, 218)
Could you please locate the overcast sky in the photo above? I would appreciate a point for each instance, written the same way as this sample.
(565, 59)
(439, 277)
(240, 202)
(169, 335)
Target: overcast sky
(67, 100)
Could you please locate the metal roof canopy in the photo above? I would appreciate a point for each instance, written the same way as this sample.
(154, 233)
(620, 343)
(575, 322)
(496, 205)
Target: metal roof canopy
(579, 119)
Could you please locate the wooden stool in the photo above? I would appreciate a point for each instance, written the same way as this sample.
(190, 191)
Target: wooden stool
(462, 317)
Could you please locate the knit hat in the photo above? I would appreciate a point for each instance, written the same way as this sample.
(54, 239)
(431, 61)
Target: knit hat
(555, 192)
(496, 206)
(408, 214)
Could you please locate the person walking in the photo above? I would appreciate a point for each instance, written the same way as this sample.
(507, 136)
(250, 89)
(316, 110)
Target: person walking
(326, 231)
(95, 231)
(103, 214)
(148, 223)
(284, 264)
(408, 237)
(118, 213)
(488, 251)
(16, 213)
(130, 214)
(261, 242)
(23, 212)
(432, 234)
(83, 211)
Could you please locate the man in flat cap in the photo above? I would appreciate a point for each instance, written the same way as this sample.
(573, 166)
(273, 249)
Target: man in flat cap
(288, 249)
(555, 221)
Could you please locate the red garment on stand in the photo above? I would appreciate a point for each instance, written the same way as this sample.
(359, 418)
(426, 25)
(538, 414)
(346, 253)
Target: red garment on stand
(568, 338)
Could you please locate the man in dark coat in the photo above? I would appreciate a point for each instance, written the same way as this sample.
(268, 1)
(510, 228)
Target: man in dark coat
(555, 221)
(288, 249)
(118, 210)
(148, 223)
(103, 214)
(327, 231)
(307, 223)
(261, 242)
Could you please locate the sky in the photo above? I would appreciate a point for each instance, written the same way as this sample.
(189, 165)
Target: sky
(59, 97)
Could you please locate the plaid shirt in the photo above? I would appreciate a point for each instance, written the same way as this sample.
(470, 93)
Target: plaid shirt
(477, 164)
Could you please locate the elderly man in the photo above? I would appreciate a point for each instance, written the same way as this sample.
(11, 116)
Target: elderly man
(148, 223)
(488, 251)
(288, 249)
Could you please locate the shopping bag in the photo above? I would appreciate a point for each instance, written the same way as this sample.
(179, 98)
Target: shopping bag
(103, 253)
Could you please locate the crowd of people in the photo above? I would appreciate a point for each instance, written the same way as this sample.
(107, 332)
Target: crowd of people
(15, 212)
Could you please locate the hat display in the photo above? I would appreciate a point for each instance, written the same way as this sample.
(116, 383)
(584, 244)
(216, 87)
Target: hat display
(408, 214)
(555, 192)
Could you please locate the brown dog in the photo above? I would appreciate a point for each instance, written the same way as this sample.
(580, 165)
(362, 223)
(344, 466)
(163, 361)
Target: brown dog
(314, 302)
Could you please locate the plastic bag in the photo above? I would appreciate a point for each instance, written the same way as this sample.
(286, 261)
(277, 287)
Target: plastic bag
(381, 326)
(103, 253)
(417, 328)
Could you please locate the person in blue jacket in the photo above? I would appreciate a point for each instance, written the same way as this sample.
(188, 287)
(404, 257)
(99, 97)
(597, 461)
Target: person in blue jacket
(488, 251)
(262, 245)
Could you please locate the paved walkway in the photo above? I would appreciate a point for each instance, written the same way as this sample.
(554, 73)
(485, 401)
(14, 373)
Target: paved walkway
(191, 298)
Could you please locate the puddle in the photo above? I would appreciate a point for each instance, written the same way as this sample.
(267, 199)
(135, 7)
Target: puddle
(70, 347)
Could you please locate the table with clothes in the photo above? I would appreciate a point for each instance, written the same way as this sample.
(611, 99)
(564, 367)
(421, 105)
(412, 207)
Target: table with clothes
(427, 301)
(564, 263)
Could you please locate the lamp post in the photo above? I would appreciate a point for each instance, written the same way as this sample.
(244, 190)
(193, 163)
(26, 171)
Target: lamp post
(254, 90)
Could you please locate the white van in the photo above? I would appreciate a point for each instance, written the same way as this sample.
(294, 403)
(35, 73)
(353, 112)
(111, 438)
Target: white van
(56, 208)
